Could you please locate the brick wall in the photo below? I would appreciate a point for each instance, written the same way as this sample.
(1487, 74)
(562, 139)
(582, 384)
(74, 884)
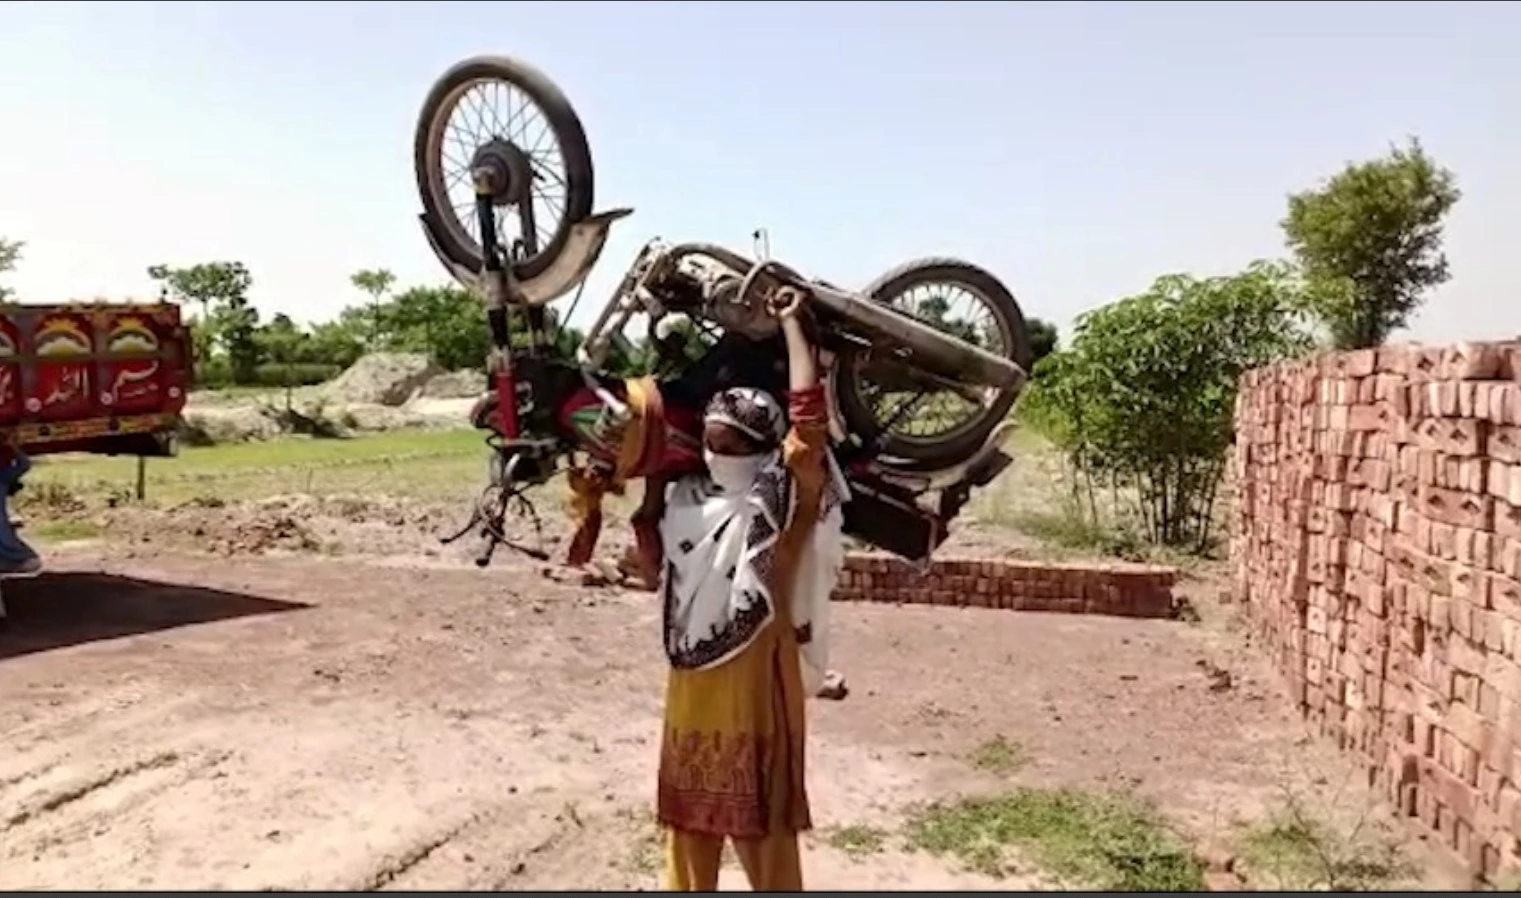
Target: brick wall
(1376, 540)
(1117, 589)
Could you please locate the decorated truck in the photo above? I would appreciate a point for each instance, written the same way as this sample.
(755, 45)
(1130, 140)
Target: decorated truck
(108, 379)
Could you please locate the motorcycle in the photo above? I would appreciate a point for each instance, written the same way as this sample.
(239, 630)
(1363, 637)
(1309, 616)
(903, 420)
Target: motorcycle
(919, 393)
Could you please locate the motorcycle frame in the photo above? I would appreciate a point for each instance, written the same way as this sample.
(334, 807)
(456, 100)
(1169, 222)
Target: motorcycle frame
(968, 365)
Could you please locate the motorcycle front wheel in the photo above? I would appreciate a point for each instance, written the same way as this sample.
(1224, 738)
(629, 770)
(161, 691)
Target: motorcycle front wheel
(922, 425)
(507, 108)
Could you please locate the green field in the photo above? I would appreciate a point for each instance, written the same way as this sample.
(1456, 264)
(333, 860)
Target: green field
(446, 467)
(442, 465)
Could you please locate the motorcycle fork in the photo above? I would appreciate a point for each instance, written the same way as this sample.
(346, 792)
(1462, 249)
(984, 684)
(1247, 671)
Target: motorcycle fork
(503, 494)
(501, 291)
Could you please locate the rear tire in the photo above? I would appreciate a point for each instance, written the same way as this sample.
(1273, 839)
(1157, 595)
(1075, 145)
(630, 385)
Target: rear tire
(428, 150)
(935, 453)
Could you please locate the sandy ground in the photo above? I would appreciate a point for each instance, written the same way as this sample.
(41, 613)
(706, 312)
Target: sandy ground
(294, 722)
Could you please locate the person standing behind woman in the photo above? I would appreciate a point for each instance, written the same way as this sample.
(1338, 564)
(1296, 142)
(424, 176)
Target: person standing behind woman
(748, 554)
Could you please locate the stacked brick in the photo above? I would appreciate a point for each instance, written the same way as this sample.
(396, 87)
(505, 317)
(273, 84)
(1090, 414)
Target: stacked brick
(1113, 589)
(1377, 542)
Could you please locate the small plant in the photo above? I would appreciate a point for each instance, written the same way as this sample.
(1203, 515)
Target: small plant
(52, 497)
(1293, 851)
(1000, 756)
(644, 853)
(1112, 842)
(1069, 528)
(858, 840)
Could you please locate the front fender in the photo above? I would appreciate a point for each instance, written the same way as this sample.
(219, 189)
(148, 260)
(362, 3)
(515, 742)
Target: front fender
(582, 249)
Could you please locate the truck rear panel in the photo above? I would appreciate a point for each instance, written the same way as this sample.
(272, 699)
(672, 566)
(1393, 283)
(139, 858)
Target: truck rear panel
(98, 378)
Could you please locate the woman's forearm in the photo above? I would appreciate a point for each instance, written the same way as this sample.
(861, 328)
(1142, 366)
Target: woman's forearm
(802, 366)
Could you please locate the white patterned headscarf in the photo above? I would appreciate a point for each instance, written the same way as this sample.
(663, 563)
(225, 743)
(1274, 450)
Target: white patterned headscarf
(754, 413)
(720, 531)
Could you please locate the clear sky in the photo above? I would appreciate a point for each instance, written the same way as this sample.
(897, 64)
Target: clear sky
(1076, 149)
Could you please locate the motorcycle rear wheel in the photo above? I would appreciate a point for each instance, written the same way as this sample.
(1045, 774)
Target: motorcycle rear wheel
(453, 223)
(960, 443)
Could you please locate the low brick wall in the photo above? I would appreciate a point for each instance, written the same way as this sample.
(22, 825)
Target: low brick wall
(1122, 590)
(1377, 544)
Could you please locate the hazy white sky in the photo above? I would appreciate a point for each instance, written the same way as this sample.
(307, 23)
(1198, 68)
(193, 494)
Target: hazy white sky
(1076, 149)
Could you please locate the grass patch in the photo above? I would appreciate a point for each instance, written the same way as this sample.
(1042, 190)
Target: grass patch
(424, 464)
(242, 395)
(1111, 842)
(66, 530)
(1067, 529)
(1000, 756)
(858, 840)
(1291, 852)
(645, 854)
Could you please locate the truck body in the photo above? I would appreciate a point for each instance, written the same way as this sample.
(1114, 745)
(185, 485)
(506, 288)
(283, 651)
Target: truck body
(99, 378)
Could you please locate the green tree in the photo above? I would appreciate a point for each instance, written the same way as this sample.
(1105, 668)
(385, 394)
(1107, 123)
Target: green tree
(1143, 398)
(333, 343)
(1042, 338)
(236, 324)
(10, 254)
(282, 342)
(447, 323)
(376, 282)
(1372, 237)
(226, 320)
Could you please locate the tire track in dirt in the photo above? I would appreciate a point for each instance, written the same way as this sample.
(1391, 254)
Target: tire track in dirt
(522, 846)
(85, 788)
(89, 807)
(395, 867)
(581, 853)
(10, 781)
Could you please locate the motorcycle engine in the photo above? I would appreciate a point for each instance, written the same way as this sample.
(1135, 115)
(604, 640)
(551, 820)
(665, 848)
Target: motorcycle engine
(721, 305)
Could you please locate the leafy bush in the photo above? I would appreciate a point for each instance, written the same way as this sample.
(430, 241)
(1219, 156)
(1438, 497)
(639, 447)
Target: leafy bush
(1143, 399)
(217, 374)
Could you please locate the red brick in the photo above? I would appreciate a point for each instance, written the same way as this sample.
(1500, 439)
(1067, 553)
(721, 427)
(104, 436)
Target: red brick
(1504, 444)
(1471, 361)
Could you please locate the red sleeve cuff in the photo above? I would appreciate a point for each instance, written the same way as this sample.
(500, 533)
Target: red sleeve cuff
(807, 405)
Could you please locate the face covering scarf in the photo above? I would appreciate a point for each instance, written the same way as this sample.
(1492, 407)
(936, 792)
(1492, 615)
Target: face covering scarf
(720, 533)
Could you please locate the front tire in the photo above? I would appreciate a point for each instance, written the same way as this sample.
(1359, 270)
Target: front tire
(429, 151)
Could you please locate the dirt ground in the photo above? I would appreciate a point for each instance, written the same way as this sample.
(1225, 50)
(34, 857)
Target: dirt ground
(354, 709)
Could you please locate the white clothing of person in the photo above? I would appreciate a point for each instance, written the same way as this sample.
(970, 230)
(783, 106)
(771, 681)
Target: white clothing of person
(720, 531)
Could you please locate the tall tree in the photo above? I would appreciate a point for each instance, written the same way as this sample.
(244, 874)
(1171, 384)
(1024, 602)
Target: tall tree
(444, 322)
(376, 282)
(1042, 338)
(226, 318)
(10, 254)
(1371, 237)
(334, 343)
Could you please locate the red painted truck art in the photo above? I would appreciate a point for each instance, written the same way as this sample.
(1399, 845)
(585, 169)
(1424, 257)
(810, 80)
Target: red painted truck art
(109, 379)
(98, 378)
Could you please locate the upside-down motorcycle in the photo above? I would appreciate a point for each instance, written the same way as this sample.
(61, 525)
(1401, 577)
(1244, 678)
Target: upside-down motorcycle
(922, 366)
